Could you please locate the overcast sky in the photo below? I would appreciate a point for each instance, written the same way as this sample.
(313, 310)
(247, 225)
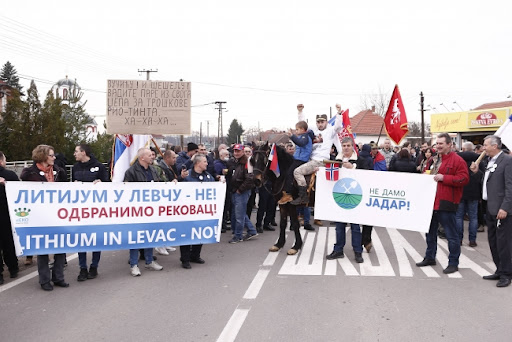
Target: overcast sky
(264, 57)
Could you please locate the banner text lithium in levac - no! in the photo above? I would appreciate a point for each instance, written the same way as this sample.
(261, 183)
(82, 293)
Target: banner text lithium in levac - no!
(52, 218)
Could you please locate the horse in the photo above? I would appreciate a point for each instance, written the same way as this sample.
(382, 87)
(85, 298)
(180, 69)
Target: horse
(262, 173)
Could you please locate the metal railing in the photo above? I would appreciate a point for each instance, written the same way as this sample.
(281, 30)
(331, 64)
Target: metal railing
(18, 166)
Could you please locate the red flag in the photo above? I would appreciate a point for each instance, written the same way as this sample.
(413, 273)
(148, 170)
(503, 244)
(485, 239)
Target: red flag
(346, 131)
(395, 119)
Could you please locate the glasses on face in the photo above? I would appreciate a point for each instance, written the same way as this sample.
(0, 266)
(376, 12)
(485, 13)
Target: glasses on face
(51, 155)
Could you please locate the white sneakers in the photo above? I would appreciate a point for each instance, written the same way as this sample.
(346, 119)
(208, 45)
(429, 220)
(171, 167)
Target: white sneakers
(153, 266)
(170, 249)
(136, 271)
(161, 251)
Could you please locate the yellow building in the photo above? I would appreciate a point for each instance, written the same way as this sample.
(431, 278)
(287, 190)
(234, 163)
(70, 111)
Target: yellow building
(472, 125)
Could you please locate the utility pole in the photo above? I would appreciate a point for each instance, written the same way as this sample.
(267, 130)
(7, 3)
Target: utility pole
(220, 132)
(200, 132)
(422, 109)
(147, 72)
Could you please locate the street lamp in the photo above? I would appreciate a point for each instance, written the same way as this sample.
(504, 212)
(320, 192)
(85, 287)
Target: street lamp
(455, 102)
(441, 104)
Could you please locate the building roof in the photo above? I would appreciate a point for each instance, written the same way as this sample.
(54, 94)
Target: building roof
(366, 122)
(493, 105)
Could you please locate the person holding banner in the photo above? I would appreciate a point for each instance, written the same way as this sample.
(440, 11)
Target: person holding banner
(7, 249)
(352, 161)
(185, 158)
(198, 173)
(88, 169)
(497, 191)
(142, 171)
(451, 177)
(45, 170)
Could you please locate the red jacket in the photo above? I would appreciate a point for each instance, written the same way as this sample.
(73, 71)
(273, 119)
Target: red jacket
(456, 176)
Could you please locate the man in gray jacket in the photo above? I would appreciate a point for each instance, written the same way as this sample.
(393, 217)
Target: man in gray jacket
(497, 190)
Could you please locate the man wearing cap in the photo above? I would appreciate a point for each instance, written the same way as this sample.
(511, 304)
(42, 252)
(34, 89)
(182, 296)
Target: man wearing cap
(241, 183)
(379, 161)
(185, 158)
(325, 136)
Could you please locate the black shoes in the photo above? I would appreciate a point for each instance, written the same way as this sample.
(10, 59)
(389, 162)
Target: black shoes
(335, 255)
(259, 229)
(273, 223)
(1, 279)
(61, 283)
(93, 273)
(269, 228)
(503, 282)
(47, 286)
(450, 269)
(14, 273)
(83, 275)
(309, 227)
(492, 277)
(359, 258)
(197, 261)
(426, 262)
(186, 265)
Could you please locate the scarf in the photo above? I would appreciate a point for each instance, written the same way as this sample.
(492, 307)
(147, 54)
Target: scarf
(48, 171)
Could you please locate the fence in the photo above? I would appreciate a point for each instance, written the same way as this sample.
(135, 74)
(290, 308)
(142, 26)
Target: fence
(18, 166)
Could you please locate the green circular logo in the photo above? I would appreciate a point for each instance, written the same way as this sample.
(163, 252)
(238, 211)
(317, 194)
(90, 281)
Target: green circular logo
(347, 193)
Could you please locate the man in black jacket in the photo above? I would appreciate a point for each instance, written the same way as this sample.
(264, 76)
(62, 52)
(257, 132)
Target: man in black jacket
(6, 240)
(241, 183)
(88, 169)
(470, 197)
(142, 171)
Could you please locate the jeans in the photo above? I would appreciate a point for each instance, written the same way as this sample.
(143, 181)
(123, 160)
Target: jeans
(82, 259)
(447, 220)
(471, 208)
(239, 218)
(341, 237)
(57, 272)
(306, 211)
(134, 256)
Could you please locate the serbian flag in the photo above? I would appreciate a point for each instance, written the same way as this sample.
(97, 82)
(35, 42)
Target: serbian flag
(274, 163)
(505, 132)
(346, 131)
(124, 153)
(332, 171)
(395, 119)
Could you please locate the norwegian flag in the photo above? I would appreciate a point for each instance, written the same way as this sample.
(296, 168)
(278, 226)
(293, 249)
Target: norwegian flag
(395, 119)
(274, 163)
(332, 171)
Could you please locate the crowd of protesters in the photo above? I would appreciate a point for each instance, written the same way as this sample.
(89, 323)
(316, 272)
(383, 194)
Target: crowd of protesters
(459, 194)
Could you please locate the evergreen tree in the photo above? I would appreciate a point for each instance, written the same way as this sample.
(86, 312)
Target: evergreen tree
(235, 132)
(10, 128)
(50, 126)
(102, 146)
(9, 75)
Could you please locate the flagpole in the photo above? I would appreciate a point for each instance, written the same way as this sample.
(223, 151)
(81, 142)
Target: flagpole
(380, 133)
(156, 145)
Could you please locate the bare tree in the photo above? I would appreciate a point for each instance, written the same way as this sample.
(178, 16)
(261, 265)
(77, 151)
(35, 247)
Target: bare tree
(378, 100)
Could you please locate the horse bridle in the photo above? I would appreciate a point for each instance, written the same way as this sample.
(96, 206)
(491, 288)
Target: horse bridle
(264, 172)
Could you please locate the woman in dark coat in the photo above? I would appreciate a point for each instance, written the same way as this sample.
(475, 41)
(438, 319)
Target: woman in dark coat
(45, 170)
(403, 163)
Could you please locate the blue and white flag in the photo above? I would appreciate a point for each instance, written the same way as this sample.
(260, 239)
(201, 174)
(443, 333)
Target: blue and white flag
(505, 132)
(125, 153)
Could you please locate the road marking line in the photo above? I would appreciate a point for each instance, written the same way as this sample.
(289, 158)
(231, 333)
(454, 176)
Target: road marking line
(256, 284)
(233, 326)
(384, 269)
(28, 276)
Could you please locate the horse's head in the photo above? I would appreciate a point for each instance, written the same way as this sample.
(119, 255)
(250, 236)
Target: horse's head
(259, 160)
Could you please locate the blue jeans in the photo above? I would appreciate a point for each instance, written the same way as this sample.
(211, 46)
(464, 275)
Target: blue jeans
(82, 259)
(447, 220)
(341, 237)
(471, 208)
(134, 256)
(306, 211)
(239, 218)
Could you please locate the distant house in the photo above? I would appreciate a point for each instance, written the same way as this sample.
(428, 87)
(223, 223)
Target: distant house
(367, 125)
(274, 136)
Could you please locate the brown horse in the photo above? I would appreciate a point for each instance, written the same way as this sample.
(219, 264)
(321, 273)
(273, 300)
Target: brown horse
(262, 173)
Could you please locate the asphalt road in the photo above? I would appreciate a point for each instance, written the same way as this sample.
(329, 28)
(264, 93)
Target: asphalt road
(245, 293)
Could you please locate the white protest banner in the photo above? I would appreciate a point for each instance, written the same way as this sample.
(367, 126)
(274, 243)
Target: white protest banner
(375, 198)
(50, 218)
(148, 107)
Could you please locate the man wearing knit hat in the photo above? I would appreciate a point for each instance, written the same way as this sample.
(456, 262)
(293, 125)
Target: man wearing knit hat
(185, 158)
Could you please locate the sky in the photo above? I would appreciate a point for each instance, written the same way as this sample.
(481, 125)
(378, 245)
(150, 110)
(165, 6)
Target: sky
(263, 58)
